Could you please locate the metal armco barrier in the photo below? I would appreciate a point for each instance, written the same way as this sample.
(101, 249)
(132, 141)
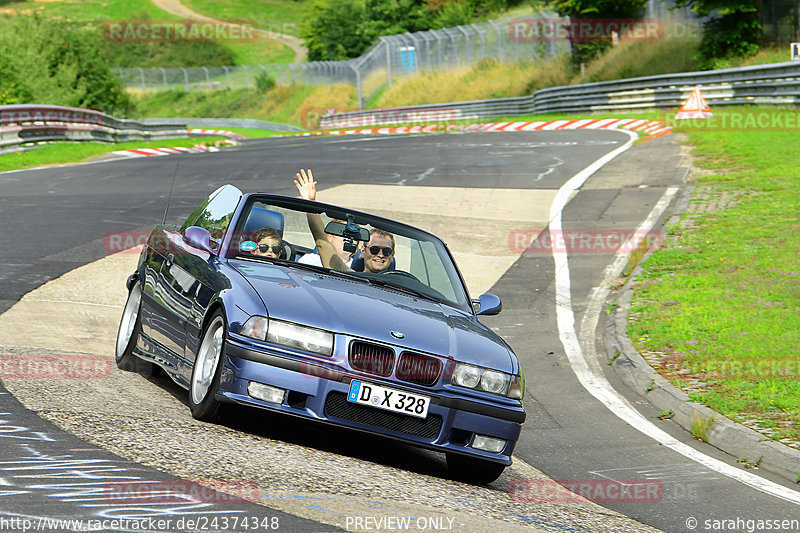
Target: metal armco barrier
(33, 123)
(774, 84)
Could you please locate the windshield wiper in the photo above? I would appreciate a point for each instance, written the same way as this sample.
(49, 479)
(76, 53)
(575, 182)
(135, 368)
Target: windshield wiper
(402, 288)
(324, 270)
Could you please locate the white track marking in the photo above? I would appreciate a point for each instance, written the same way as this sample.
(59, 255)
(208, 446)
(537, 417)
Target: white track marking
(592, 379)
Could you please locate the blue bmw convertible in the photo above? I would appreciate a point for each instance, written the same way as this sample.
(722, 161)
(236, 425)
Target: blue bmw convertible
(226, 305)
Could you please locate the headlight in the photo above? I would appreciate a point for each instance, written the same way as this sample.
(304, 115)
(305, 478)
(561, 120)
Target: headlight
(289, 334)
(255, 327)
(483, 379)
(494, 382)
(467, 376)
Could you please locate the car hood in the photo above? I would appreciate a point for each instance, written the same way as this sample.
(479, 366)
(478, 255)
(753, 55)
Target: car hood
(358, 309)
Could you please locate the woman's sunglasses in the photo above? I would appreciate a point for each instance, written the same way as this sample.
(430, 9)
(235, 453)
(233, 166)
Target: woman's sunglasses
(386, 250)
(264, 248)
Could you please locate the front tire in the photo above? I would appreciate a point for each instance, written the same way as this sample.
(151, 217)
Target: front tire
(130, 326)
(207, 369)
(472, 470)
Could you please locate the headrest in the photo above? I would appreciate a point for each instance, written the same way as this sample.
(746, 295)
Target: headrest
(262, 218)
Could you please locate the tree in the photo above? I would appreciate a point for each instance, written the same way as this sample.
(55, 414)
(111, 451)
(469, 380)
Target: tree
(50, 62)
(344, 29)
(732, 29)
(332, 29)
(583, 51)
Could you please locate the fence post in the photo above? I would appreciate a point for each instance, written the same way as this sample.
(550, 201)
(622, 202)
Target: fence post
(453, 42)
(480, 34)
(466, 34)
(185, 80)
(141, 76)
(358, 85)
(384, 40)
(499, 41)
(246, 76)
(424, 37)
(208, 80)
(164, 77)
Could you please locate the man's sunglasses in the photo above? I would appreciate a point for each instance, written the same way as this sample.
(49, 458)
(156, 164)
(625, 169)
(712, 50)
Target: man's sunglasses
(276, 248)
(386, 250)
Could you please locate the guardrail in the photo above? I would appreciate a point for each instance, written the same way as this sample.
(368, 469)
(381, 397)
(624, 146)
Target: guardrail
(249, 123)
(33, 123)
(773, 84)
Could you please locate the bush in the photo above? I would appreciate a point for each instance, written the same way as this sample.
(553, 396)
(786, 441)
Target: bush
(728, 36)
(50, 62)
(264, 82)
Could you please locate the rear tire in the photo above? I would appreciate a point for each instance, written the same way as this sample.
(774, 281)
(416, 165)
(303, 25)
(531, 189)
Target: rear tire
(472, 470)
(130, 326)
(207, 369)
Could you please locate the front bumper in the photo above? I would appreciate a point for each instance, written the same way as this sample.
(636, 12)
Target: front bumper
(320, 394)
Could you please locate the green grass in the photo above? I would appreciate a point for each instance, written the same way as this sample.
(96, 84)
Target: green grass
(252, 133)
(721, 298)
(284, 105)
(280, 16)
(76, 152)
(700, 427)
(150, 55)
(95, 11)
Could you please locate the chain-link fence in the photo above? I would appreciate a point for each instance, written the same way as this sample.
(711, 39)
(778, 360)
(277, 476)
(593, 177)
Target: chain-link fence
(508, 40)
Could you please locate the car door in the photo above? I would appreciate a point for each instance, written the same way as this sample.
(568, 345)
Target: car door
(176, 270)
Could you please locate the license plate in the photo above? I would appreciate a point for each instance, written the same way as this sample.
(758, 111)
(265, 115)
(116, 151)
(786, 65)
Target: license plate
(398, 401)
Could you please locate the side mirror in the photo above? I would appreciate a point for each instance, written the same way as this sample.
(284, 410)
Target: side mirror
(199, 238)
(489, 304)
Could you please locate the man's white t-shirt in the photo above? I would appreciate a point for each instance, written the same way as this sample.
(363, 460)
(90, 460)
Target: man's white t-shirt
(315, 259)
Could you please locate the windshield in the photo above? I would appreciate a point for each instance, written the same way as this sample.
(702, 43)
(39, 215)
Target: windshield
(215, 213)
(396, 256)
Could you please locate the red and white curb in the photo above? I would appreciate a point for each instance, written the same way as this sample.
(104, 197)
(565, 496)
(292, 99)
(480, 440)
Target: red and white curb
(149, 152)
(653, 128)
(218, 133)
(369, 131)
(233, 139)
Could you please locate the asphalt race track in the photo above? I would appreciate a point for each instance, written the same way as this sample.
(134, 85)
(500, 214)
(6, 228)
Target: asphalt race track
(488, 195)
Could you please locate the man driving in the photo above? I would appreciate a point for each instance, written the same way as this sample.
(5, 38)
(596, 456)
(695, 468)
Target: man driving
(377, 253)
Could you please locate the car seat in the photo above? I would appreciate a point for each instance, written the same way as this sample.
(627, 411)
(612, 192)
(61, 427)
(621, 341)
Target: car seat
(260, 217)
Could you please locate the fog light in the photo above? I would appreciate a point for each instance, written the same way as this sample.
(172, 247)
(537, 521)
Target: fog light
(489, 444)
(265, 392)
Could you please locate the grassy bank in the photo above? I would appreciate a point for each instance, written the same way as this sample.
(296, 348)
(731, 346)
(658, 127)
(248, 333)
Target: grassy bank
(77, 152)
(273, 15)
(718, 305)
(297, 104)
(94, 13)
